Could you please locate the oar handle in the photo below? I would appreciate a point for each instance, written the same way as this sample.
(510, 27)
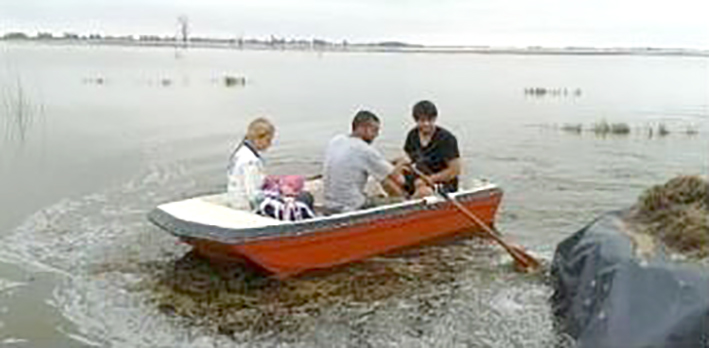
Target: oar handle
(455, 202)
(314, 177)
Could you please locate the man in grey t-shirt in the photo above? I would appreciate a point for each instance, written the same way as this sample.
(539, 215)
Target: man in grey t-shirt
(350, 160)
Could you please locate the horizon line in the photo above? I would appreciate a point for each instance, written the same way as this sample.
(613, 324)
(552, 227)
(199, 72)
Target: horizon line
(41, 35)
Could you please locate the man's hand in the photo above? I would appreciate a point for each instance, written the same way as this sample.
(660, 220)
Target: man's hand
(402, 164)
(401, 160)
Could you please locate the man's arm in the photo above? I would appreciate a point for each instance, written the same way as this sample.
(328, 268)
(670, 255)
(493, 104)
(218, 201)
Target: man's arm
(450, 153)
(389, 175)
(452, 171)
(393, 185)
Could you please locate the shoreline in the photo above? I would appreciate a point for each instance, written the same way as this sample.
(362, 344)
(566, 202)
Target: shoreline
(372, 48)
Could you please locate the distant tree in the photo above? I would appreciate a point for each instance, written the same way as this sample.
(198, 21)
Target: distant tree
(393, 44)
(183, 29)
(15, 36)
(44, 36)
(318, 42)
(71, 36)
(149, 38)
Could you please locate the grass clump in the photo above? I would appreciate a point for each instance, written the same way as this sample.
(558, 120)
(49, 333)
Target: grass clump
(572, 128)
(604, 128)
(620, 128)
(677, 213)
(662, 130)
(231, 81)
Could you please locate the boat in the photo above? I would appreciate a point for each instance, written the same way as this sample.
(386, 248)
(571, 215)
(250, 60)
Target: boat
(286, 248)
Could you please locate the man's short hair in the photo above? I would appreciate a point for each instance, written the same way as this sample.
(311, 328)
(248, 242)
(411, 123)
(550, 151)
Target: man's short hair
(424, 109)
(362, 117)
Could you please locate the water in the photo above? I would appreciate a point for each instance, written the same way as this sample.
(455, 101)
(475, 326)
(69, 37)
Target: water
(84, 161)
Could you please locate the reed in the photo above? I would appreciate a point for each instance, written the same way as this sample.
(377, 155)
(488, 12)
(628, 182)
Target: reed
(19, 111)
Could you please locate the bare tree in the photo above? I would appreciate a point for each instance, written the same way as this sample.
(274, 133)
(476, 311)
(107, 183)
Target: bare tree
(183, 24)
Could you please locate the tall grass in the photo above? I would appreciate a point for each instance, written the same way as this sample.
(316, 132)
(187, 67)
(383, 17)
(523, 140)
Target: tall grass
(19, 112)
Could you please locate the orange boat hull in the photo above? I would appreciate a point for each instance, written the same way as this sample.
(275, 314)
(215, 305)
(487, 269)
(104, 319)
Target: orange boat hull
(290, 255)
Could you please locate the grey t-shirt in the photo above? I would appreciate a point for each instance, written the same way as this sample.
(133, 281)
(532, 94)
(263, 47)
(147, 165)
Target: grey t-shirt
(348, 163)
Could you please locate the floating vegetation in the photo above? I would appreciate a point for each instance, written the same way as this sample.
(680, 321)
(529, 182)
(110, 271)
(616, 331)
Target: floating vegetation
(99, 80)
(601, 128)
(556, 92)
(234, 299)
(691, 130)
(228, 81)
(573, 128)
(677, 213)
(604, 128)
(620, 128)
(662, 130)
(231, 81)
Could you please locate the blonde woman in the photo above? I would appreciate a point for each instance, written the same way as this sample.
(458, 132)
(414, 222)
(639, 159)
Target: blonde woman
(246, 173)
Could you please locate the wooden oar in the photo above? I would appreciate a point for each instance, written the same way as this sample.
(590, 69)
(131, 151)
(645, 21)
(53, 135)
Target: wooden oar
(313, 177)
(523, 261)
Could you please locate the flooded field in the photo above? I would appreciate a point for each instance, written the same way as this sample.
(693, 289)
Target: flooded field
(83, 162)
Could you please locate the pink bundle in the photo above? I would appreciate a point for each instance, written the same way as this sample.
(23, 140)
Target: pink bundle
(286, 185)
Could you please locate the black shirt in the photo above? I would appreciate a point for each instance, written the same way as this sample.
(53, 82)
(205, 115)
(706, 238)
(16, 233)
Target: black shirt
(433, 157)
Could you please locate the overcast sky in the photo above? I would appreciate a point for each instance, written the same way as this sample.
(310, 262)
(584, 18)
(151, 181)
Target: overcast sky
(604, 23)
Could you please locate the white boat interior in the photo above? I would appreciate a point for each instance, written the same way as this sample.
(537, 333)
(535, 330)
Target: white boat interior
(214, 210)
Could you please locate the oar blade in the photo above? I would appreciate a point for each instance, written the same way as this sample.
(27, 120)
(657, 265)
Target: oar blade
(523, 261)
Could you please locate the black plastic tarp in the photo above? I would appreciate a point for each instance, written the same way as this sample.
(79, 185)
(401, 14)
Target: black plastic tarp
(605, 296)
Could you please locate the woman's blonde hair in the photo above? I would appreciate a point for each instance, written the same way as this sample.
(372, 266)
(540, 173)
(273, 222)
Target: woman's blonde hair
(260, 128)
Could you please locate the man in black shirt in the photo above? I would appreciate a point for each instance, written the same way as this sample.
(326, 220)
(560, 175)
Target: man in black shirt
(433, 150)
